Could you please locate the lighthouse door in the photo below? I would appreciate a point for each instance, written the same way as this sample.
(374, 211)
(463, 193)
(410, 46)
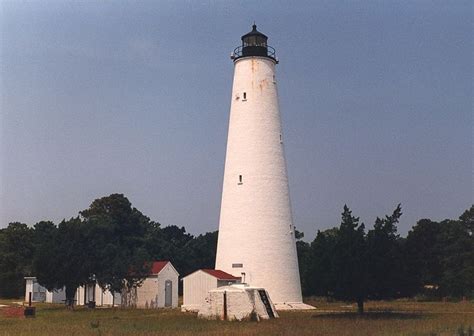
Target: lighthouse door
(168, 293)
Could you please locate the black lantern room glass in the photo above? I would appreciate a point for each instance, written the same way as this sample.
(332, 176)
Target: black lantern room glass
(254, 44)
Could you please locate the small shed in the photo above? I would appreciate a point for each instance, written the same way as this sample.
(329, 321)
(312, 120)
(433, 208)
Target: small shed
(159, 289)
(93, 292)
(38, 292)
(41, 294)
(84, 294)
(196, 287)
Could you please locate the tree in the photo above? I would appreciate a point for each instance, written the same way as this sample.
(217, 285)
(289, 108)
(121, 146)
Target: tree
(441, 254)
(62, 259)
(320, 271)
(201, 252)
(423, 253)
(171, 243)
(116, 235)
(16, 252)
(47, 250)
(384, 257)
(304, 260)
(457, 259)
(349, 266)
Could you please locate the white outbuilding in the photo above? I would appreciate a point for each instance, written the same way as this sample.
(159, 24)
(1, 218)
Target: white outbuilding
(38, 292)
(159, 289)
(94, 293)
(84, 294)
(196, 287)
(41, 294)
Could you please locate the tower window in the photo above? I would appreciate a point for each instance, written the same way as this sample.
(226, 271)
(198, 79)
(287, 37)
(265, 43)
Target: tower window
(245, 96)
(240, 179)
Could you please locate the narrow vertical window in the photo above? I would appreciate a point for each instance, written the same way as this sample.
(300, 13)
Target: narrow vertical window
(281, 140)
(245, 95)
(240, 179)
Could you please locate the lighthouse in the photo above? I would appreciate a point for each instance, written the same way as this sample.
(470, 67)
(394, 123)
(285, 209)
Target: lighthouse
(256, 233)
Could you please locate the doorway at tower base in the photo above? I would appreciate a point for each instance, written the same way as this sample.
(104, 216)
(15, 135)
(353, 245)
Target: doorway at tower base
(292, 306)
(238, 303)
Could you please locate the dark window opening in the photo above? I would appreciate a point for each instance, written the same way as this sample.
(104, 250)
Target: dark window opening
(240, 178)
(245, 95)
(237, 265)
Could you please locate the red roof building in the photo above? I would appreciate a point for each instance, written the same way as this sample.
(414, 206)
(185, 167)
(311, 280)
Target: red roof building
(196, 286)
(220, 275)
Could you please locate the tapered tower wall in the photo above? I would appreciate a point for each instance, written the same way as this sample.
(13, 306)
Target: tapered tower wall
(256, 232)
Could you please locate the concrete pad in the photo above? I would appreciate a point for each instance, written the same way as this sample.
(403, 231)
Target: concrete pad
(293, 306)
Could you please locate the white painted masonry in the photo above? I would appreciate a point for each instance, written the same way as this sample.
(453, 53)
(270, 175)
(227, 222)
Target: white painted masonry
(256, 227)
(241, 303)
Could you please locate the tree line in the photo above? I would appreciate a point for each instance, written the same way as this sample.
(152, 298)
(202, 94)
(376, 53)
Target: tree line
(435, 260)
(112, 243)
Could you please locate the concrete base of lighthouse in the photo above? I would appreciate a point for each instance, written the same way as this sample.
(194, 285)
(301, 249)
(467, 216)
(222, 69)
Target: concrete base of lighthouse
(293, 306)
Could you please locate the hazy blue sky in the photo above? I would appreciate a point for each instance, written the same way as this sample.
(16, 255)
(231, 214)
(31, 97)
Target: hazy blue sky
(99, 97)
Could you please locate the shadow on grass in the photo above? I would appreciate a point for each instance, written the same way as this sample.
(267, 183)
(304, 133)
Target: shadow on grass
(379, 315)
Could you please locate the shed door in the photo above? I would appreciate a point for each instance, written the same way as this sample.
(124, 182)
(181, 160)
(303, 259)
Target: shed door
(168, 293)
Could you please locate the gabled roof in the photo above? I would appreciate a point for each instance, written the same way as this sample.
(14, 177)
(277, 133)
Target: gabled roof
(157, 266)
(220, 275)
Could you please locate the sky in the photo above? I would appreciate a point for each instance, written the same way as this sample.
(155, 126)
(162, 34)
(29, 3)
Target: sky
(133, 97)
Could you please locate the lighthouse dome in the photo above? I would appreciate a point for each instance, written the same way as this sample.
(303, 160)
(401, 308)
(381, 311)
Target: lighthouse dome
(254, 43)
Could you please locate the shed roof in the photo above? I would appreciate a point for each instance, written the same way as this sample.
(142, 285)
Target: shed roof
(220, 275)
(157, 266)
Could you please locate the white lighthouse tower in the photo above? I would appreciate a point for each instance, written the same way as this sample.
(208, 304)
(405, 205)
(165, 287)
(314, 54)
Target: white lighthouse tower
(256, 233)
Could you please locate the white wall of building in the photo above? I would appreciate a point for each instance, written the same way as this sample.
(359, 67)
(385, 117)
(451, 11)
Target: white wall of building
(196, 287)
(152, 292)
(38, 292)
(56, 296)
(168, 273)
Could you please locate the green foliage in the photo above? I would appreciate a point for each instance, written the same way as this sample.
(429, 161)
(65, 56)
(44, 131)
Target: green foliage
(200, 252)
(384, 258)
(112, 242)
(320, 279)
(115, 237)
(16, 251)
(304, 261)
(442, 255)
(61, 258)
(349, 266)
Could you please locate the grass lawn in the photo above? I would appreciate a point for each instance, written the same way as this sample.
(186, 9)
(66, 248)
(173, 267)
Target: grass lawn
(382, 318)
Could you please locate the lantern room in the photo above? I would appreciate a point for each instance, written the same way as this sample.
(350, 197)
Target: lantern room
(254, 43)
